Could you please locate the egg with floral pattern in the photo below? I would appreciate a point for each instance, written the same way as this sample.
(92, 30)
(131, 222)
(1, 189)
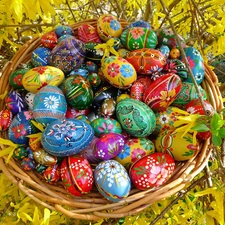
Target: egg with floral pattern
(112, 180)
(152, 170)
(118, 72)
(52, 174)
(6, 117)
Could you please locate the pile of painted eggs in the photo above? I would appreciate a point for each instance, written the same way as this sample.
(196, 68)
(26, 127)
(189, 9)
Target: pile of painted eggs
(85, 118)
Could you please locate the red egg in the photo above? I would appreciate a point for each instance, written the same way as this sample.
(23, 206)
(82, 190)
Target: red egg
(137, 90)
(76, 175)
(161, 93)
(49, 40)
(52, 174)
(152, 170)
(88, 33)
(5, 119)
(72, 112)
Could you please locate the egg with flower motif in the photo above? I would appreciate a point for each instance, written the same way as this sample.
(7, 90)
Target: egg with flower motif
(138, 37)
(88, 33)
(15, 79)
(63, 30)
(118, 72)
(49, 40)
(40, 56)
(162, 92)
(38, 77)
(72, 112)
(49, 104)
(28, 164)
(133, 150)
(108, 26)
(66, 137)
(52, 174)
(152, 170)
(44, 158)
(76, 175)
(92, 53)
(112, 180)
(6, 117)
(170, 141)
(139, 23)
(146, 60)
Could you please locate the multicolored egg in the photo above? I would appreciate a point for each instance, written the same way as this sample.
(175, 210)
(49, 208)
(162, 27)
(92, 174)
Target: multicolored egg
(28, 164)
(63, 30)
(112, 180)
(152, 170)
(38, 77)
(52, 174)
(44, 158)
(66, 137)
(135, 117)
(49, 40)
(137, 90)
(29, 98)
(139, 23)
(118, 72)
(15, 79)
(20, 153)
(108, 107)
(88, 33)
(40, 56)
(92, 53)
(6, 117)
(76, 175)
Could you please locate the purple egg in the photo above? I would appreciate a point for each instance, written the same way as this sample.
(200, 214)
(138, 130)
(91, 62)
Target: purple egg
(109, 145)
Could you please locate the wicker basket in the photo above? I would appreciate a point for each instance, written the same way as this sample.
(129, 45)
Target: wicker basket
(93, 206)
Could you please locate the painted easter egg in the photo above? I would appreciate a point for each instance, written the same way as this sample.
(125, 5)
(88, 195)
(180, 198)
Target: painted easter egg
(152, 170)
(6, 117)
(133, 150)
(187, 93)
(72, 112)
(52, 174)
(38, 77)
(20, 127)
(146, 60)
(108, 27)
(112, 180)
(15, 79)
(94, 79)
(108, 107)
(162, 92)
(34, 144)
(29, 98)
(66, 137)
(88, 33)
(137, 90)
(90, 66)
(139, 23)
(118, 72)
(44, 158)
(138, 37)
(28, 164)
(40, 56)
(15, 102)
(49, 104)
(109, 145)
(68, 54)
(135, 117)
(79, 93)
(170, 141)
(62, 30)
(20, 153)
(104, 125)
(40, 168)
(165, 50)
(49, 40)
(76, 175)
(92, 53)
(80, 71)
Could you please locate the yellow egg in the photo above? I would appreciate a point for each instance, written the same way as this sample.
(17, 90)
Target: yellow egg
(121, 97)
(38, 77)
(118, 72)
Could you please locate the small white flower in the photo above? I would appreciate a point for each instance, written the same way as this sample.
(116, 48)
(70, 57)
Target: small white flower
(51, 102)
(164, 119)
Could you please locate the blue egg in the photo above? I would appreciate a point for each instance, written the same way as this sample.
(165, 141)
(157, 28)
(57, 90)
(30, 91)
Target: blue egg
(83, 72)
(63, 30)
(139, 23)
(112, 180)
(165, 50)
(66, 137)
(40, 56)
(65, 36)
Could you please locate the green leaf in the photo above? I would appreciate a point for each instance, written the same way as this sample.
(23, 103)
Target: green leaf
(216, 140)
(200, 128)
(216, 122)
(222, 132)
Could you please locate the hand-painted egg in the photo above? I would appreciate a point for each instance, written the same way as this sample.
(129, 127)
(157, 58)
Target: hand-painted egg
(6, 117)
(44, 158)
(94, 79)
(40, 168)
(20, 153)
(28, 164)
(196, 63)
(76, 175)
(66, 137)
(15, 79)
(88, 33)
(162, 92)
(108, 27)
(152, 170)
(15, 102)
(67, 54)
(34, 143)
(179, 146)
(92, 53)
(138, 37)
(38, 77)
(123, 52)
(137, 90)
(105, 125)
(146, 60)
(52, 174)
(82, 72)
(40, 56)
(63, 37)
(133, 150)
(118, 72)
(79, 93)
(139, 23)
(49, 40)
(29, 98)
(112, 180)
(30, 153)
(72, 112)
(135, 117)
(108, 107)
(90, 66)
(49, 104)
(62, 30)
(20, 127)
(121, 97)
(188, 92)
(165, 50)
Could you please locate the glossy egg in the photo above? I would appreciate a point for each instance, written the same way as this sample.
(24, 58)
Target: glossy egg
(109, 145)
(152, 171)
(137, 90)
(108, 26)
(49, 104)
(94, 79)
(112, 180)
(133, 150)
(29, 98)
(34, 144)
(40, 56)
(139, 23)
(135, 117)
(52, 174)
(76, 175)
(28, 164)
(172, 142)
(15, 79)
(108, 107)
(49, 40)
(138, 37)
(38, 77)
(20, 153)
(72, 112)
(44, 158)
(88, 33)
(79, 71)
(118, 72)
(92, 53)
(66, 137)
(162, 92)
(79, 93)
(146, 60)
(63, 30)
(6, 117)
(165, 50)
